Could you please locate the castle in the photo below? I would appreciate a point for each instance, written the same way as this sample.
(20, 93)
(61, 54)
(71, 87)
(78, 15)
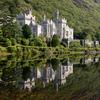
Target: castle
(48, 28)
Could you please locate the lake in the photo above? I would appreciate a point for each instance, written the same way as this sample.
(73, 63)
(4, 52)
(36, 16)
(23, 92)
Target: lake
(55, 78)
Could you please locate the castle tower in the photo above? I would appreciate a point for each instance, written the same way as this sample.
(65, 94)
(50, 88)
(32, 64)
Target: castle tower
(26, 17)
(44, 18)
(57, 14)
(45, 26)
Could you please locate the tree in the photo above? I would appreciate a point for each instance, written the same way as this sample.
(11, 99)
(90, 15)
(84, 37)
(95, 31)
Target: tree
(80, 35)
(97, 36)
(1, 34)
(25, 41)
(55, 63)
(13, 41)
(88, 37)
(26, 72)
(87, 33)
(75, 44)
(55, 41)
(11, 30)
(27, 33)
(39, 41)
(65, 42)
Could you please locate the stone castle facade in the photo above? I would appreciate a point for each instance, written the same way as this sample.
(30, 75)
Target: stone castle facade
(48, 28)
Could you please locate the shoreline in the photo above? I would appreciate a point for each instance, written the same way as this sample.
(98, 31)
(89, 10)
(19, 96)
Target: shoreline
(33, 50)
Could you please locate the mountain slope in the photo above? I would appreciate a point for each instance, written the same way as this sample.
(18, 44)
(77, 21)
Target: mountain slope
(82, 15)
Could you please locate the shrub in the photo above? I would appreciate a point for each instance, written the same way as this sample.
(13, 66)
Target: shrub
(12, 49)
(5, 42)
(38, 41)
(13, 41)
(8, 42)
(55, 41)
(18, 40)
(25, 42)
(19, 49)
(3, 49)
(73, 44)
(31, 43)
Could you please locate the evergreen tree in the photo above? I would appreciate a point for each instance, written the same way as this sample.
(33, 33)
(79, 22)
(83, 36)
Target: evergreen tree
(55, 41)
(27, 33)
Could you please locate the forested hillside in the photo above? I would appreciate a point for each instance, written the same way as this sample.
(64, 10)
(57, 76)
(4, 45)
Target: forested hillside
(82, 15)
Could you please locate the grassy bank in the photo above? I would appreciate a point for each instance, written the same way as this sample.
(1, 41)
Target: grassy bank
(34, 50)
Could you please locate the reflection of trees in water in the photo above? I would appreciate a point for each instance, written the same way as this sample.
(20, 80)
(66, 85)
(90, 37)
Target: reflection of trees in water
(20, 71)
(8, 74)
(26, 72)
(55, 63)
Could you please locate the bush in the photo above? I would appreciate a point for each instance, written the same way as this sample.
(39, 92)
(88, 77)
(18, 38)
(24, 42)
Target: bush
(38, 41)
(75, 44)
(13, 41)
(31, 43)
(5, 42)
(19, 49)
(11, 30)
(3, 49)
(8, 42)
(12, 49)
(25, 42)
(18, 40)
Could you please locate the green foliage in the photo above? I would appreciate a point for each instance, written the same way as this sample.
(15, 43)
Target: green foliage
(55, 63)
(3, 49)
(31, 43)
(12, 49)
(97, 36)
(39, 41)
(11, 30)
(64, 42)
(26, 72)
(27, 33)
(1, 34)
(18, 40)
(19, 50)
(55, 41)
(2, 40)
(13, 41)
(75, 44)
(25, 42)
(5, 42)
(81, 15)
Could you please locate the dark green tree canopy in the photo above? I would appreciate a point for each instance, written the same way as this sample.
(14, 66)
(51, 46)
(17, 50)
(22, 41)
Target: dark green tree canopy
(55, 41)
(11, 30)
(27, 33)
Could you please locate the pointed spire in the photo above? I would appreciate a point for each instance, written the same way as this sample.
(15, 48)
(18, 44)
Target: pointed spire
(57, 14)
(57, 87)
(44, 18)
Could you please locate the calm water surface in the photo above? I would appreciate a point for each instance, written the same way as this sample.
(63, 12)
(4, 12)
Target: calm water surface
(70, 78)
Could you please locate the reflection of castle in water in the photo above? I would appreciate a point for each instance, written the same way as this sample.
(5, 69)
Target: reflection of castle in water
(89, 60)
(27, 77)
(28, 82)
(47, 75)
(62, 73)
